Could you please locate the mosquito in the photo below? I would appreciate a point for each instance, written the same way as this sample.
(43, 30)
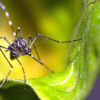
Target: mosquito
(20, 47)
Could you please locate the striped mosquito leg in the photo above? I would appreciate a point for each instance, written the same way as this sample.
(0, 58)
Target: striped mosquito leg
(5, 40)
(36, 52)
(40, 35)
(57, 40)
(41, 63)
(9, 71)
(18, 30)
(8, 17)
(22, 69)
(29, 39)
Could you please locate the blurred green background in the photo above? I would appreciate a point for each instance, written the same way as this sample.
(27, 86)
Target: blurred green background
(53, 18)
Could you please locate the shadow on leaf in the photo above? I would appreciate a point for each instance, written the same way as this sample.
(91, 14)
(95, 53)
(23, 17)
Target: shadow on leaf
(18, 92)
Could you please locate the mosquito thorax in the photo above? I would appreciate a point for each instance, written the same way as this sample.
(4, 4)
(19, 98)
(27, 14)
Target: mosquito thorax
(21, 45)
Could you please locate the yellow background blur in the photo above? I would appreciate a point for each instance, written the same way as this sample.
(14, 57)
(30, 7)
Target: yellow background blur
(53, 18)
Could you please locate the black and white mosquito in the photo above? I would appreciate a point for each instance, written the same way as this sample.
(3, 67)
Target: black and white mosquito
(20, 47)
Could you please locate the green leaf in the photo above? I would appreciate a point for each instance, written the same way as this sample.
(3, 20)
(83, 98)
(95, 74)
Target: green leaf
(76, 81)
